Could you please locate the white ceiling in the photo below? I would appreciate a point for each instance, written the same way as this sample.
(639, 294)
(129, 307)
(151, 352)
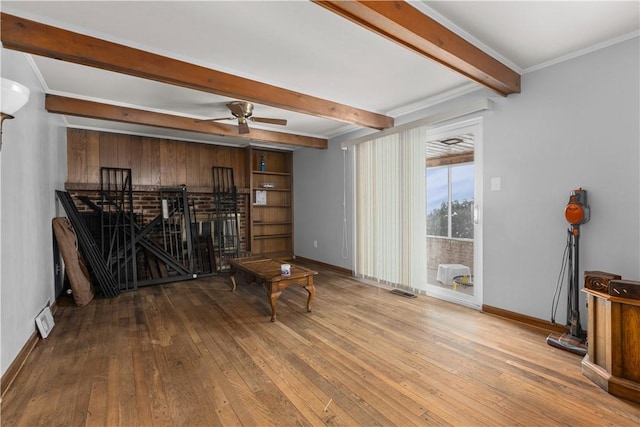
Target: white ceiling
(303, 47)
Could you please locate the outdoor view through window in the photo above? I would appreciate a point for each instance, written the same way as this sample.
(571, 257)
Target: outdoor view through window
(450, 201)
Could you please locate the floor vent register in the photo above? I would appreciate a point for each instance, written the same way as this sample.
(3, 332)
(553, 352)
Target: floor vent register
(403, 293)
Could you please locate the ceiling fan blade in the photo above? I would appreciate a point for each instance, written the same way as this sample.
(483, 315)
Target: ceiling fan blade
(243, 127)
(215, 120)
(281, 122)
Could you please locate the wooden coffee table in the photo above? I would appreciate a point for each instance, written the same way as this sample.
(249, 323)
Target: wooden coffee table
(267, 271)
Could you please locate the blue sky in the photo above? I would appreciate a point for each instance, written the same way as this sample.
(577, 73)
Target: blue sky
(462, 185)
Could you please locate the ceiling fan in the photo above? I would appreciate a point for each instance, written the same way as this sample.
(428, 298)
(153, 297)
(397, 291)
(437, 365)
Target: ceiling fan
(243, 111)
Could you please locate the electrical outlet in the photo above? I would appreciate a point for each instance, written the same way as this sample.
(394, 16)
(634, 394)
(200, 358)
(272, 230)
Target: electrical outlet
(315, 243)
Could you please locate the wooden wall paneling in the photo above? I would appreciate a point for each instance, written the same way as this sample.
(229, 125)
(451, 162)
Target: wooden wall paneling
(192, 165)
(181, 167)
(150, 161)
(224, 157)
(228, 155)
(93, 157)
(144, 175)
(206, 177)
(215, 155)
(154, 162)
(240, 168)
(215, 159)
(136, 159)
(124, 151)
(237, 162)
(231, 160)
(77, 163)
(108, 150)
(167, 163)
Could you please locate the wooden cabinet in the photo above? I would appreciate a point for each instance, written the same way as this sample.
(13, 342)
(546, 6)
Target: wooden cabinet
(613, 358)
(271, 213)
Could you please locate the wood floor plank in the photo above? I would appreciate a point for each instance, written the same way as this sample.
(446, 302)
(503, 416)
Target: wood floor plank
(267, 387)
(195, 354)
(436, 409)
(56, 410)
(294, 376)
(362, 385)
(242, 373)
(208, 390)
(178, 364)
(280, 351)
(145, 350)
(28, 404)
(358, 379)
(403, 372)
(72, 409)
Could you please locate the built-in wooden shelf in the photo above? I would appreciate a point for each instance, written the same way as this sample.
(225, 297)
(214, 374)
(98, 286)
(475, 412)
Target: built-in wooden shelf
(259, 172)
(271, 224)
(271, 236)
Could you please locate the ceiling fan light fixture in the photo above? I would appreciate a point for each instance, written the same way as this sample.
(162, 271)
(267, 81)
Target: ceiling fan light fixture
(240, 108)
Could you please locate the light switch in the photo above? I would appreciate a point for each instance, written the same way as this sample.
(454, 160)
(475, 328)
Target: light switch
(496, 184)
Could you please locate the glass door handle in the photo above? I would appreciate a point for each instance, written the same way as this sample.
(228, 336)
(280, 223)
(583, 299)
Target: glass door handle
(475, 214)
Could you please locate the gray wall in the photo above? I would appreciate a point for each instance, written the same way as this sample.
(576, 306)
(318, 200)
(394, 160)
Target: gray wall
(32, 166)
(318, 198)
(575, 124)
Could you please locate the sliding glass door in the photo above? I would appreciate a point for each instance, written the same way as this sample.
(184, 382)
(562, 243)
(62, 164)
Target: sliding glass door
(453, 206)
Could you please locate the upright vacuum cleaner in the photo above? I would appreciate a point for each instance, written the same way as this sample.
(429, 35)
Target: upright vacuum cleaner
(576, 213)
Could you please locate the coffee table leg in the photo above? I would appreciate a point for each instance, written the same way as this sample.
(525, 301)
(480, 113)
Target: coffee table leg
(312, 292)
(274, 294)
(232, 277)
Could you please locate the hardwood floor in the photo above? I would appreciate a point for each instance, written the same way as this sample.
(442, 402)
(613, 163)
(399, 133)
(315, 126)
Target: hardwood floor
(195, 354)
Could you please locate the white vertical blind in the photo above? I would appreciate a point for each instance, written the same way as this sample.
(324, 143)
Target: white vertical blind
(391, 209)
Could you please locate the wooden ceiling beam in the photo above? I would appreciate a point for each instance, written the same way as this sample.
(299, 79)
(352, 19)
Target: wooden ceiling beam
(44, 40)
(96, 110)
(402, 23)
(450, 159)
